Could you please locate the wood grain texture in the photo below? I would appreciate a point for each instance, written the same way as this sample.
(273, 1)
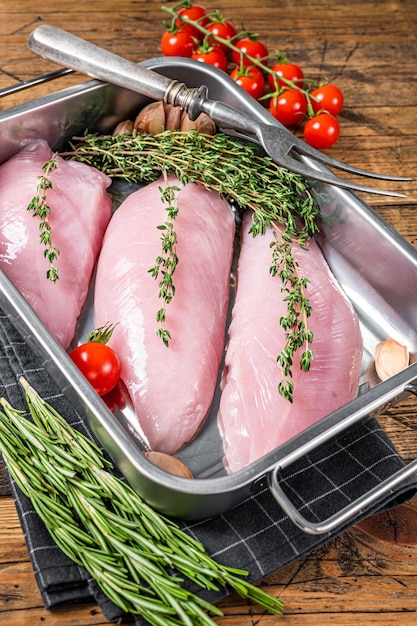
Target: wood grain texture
(368, 575)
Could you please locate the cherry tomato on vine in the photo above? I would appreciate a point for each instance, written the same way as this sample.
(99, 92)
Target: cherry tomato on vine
(255, 48)
(99, 364)
(289, 107)
(197, 13)
(251, 80)
(327, 98)
(177, 43)
(223, 29)
(321, 131)
(213, 55)
(288, 71)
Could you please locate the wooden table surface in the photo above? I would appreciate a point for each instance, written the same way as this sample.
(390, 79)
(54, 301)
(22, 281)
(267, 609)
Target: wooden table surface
(369, 47)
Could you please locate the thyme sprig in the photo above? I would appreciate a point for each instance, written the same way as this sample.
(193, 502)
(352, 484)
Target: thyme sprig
(167, 262)
(238, 172)
(137, 557)
(235, 170)
(40, 208)
(295, 324)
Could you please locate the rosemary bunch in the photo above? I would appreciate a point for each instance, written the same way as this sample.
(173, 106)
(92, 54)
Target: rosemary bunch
(237, 171)
(137, 557)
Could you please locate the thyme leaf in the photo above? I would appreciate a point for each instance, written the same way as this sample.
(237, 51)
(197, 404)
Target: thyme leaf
(40, 208)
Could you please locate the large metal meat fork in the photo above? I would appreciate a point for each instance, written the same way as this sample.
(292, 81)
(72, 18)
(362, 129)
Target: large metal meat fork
(280, 144)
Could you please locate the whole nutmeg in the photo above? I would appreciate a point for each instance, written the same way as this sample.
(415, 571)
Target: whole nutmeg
(123, 128)
(151, 119)
(391, 357)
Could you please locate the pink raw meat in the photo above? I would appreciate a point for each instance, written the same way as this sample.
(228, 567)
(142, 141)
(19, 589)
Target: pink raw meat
(80, 211)
(253, 417)
(171, 387)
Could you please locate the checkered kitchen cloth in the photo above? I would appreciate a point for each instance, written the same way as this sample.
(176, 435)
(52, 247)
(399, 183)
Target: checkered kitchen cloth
(255, 535)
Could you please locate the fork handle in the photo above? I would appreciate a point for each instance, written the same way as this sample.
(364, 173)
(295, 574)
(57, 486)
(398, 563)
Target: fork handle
(68, 50)
(73, 52)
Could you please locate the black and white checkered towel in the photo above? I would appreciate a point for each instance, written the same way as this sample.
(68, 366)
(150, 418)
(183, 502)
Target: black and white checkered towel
(255, 535)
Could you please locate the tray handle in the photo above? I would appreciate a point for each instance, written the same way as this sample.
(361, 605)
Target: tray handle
(32, 82)
(349, 511)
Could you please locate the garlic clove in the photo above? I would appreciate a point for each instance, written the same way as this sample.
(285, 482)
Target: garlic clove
(203, 124)
(391, 357)
(173, 117)
(151, 119)
(168, 463)
(123, 128)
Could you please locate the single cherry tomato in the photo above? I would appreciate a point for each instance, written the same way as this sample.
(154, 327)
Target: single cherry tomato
(255, 48)
(289, 71)
(224, 30)
(178, 43)
(328, 98)
(251, 80)
(213, 55)
(289, 107)
(321, 131)
(197, 13)
(100, 365)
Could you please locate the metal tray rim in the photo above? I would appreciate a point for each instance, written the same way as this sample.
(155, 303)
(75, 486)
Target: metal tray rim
(97, 414)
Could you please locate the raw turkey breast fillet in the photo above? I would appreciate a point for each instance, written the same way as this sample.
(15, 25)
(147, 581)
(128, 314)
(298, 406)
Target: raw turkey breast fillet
(171, 387)
(80, 211)
(254, 418)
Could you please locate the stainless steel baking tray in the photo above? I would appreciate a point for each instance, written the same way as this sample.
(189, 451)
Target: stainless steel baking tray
(376, 267)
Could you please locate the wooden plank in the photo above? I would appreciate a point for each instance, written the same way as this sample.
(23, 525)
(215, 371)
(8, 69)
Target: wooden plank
(371, 567)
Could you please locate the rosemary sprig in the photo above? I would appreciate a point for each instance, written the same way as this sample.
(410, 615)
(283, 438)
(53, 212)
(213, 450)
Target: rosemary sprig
(240, 173)
(137, 557)
(40, 208)
(168, 261)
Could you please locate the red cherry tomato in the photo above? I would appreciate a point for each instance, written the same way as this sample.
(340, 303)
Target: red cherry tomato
(100, 365)
(197, 13)
(178, 44)
(327, 98)
(212, 55)
(224, 30)
(321, 131)
(252, 81)
(289, 107)
(255, 48)
(288, 71)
